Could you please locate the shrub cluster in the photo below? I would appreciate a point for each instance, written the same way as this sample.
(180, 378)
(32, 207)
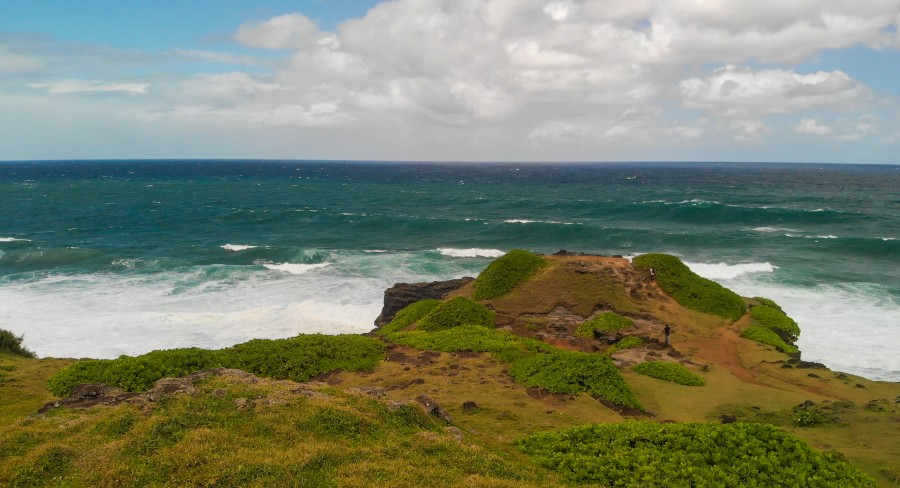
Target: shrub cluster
(650, 454)
(604, 322)
(297, 359)
(777, 321)
(12, 344)
(502, 275)
(629, 342)
(689, 289)
(674, 372)
(503, 345)
(768, 303)
(574, 372)
(455, 312)
(766, 336)
(409, 315)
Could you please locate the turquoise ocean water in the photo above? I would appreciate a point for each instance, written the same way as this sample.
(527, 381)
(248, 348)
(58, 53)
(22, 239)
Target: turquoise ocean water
(102, 258)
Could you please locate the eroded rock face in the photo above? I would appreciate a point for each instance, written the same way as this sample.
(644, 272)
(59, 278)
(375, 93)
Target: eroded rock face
(403, 294)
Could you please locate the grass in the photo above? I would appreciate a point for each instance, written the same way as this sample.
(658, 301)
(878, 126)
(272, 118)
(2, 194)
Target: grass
(296, 359)
(604, 322)
(769, 303)
(409, 315)
(689, 289)
(768, 337)
(672, 372)
(629, 342)
(505, 273)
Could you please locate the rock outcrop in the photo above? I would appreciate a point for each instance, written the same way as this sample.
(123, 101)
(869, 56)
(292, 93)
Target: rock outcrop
(403, 294)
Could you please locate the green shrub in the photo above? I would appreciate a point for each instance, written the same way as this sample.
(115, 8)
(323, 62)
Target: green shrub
(604, 322)
(650, 454)
(629, 342)
(504, 345)
(455, 312)
(768, 303)
(409, 315)
(807, 418)
(12, 344)
(689, 289)
(502, 275)
(574, 372)
(674, 372)
(296, 359)
(766, 336)
(776, 320)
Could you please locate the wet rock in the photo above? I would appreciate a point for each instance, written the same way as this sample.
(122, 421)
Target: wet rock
(401, 295)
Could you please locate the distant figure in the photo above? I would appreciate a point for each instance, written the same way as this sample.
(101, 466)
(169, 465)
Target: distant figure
(652, 274)
(667, 331)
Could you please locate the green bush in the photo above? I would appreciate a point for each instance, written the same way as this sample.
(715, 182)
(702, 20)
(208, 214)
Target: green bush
(455, 312)
(574, 372)
(768, 303)
(503, 345)
(604, 322)
(409, 315)
(689, 289)
(502, 275)
(674, 372)
(12, 344)
(296, 359)
(650, 454)
(629, 342)
(776, 320)
(766, 336)
(807, 418)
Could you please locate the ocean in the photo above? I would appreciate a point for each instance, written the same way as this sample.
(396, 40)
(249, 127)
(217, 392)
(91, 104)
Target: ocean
(104, 258)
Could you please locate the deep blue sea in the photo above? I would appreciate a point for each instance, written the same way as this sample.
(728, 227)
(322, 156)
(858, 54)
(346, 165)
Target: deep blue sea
(102, 258)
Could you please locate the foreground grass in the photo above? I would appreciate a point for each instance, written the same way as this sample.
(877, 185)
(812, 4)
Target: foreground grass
(235, 433)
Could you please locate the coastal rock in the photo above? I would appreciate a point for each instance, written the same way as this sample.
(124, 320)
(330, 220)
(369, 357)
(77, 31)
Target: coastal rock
(403, 294)
(432, 408)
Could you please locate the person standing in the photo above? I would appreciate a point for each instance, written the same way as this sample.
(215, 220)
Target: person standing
(652, 274)
(667, 330)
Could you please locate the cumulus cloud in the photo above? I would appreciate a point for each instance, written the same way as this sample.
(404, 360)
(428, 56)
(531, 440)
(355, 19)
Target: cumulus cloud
(812, 127)
(590, 78)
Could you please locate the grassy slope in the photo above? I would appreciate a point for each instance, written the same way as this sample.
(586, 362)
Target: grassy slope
(745, 379)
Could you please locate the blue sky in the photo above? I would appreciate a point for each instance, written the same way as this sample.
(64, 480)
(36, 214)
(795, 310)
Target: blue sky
(545, 80)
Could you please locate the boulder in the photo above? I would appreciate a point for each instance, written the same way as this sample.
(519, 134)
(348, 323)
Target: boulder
(432, 408)
(401, 295)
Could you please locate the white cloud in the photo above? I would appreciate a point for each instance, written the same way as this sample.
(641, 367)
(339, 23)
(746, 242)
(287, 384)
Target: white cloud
(291, 31)
(812, 127)
(91, 86)
(733, 91)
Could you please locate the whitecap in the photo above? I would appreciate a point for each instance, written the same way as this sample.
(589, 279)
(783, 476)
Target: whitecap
(237, 247)
(294, 268)
(725, 271)
(775, 229)
(519, 221)
(13, 239)
(471, 253)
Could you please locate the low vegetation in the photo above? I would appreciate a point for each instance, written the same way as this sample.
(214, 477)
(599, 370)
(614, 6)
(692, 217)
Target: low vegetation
(455, 312)
(604, 322)
(777, 321)
(12, 344)
(689, 289)
(768, 337)
(673, 372)
(650, 454)
(629, 342)
(296, 359)
(409, 315)
(502, 275)
(769, 303)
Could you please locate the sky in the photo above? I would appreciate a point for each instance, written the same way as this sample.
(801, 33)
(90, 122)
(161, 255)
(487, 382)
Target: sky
(451, 80)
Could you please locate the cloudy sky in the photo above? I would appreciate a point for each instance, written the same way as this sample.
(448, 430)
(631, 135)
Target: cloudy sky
(452, 80)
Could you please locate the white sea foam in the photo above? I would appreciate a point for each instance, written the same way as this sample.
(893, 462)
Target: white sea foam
(849, 327)
(471, 253)
(526, 221)
(724, 271)
(13, 239)
(237, 247)
(519, 221)
(293, 268)
(775, 229)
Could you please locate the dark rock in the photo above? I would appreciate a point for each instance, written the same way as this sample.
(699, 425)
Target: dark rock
(367, 390)
(813, 375)
(469, 406)
(654, 354)
(841, 376)
(433, 408)
(786, 366)
(403, 386)
(675, 354)
(535, 392)
(858, 385)
(806, 404)
(728, 419)
(810, 365)
(401, 295)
